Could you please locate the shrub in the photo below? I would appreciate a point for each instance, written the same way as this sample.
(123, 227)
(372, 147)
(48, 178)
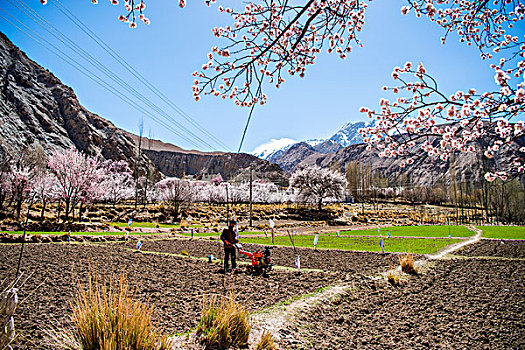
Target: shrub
(223, 323)
(107, 318)
(266, 342)
(407, 264)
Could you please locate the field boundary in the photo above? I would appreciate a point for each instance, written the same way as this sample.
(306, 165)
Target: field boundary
(502, 239)
(483, 257)
(456, 246)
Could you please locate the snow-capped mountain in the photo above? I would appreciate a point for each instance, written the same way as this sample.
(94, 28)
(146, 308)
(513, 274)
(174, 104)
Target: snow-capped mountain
(267, 149)
(346, 136)
(314, 142)
(349, 135)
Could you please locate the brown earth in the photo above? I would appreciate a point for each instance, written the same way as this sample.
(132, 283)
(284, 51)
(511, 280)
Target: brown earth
(175, 285)
(495, 248)
(457, 304)
(473, 303)
(339, 261)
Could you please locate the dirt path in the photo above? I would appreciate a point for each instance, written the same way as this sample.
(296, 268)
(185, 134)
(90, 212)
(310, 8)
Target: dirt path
(452, 248)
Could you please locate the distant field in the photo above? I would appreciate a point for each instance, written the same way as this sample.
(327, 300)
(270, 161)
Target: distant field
(81, 233)
(503, 232)
(370, 244)
(143, 224)
(212, 234)
(149, 225)
(415, 231)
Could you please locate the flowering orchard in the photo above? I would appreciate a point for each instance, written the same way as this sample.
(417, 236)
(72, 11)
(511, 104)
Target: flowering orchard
(72, 179)
(68, 177)
(269, 40)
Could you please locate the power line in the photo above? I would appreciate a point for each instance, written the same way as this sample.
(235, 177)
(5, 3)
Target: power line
(97, 64)
(246, 128)
(78, 22)
(91, 75)
(99, 82)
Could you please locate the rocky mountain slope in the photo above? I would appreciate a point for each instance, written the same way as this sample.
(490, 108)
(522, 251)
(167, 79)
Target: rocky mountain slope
(348, 134)
(425, 170)
(301, 155)
(36, 108)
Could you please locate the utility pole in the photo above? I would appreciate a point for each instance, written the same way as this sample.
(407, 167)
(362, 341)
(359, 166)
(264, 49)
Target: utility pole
(251, 182)
(227, 207)
(137, 164)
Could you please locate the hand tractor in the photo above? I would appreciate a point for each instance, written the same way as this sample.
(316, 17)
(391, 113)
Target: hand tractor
(261, 263)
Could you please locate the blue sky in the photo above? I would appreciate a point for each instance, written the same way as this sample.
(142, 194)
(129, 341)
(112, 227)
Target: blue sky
(177, 41)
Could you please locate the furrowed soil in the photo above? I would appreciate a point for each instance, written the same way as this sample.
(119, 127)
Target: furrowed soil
(473, 303)
(476, 301)
(337, 261)
(175, 285)
(495, 248)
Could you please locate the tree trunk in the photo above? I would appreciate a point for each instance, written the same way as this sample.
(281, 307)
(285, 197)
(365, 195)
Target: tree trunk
(59, 210)
(18, 207)
(66, 212)
(2, 199)
(145, 193)
(44, 202)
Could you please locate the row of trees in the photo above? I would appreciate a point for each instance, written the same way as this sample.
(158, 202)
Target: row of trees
(499, 201)
(310, 185)
(68, 177)
(73, 179)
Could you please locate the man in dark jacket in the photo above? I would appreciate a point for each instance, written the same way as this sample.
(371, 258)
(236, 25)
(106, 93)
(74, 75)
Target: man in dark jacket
(228, 235)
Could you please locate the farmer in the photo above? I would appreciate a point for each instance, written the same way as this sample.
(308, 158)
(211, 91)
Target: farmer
(228, 236)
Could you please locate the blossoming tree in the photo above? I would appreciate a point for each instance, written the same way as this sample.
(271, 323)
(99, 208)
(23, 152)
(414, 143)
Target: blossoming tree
(43, 189)
(175, 192)
(266, 41)
(424, 117)
(20, 182)
(77, 176)
(316, 184)
(117, 181)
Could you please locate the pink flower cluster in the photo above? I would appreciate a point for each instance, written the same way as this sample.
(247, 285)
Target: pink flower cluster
(267, 40)
(442, 125)
(134, 10)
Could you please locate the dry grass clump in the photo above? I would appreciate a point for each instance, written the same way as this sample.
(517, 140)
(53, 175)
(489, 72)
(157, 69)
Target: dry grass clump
(266, 342)
(407, 264)
(107, 318)
(223, 323)
(393, 277)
